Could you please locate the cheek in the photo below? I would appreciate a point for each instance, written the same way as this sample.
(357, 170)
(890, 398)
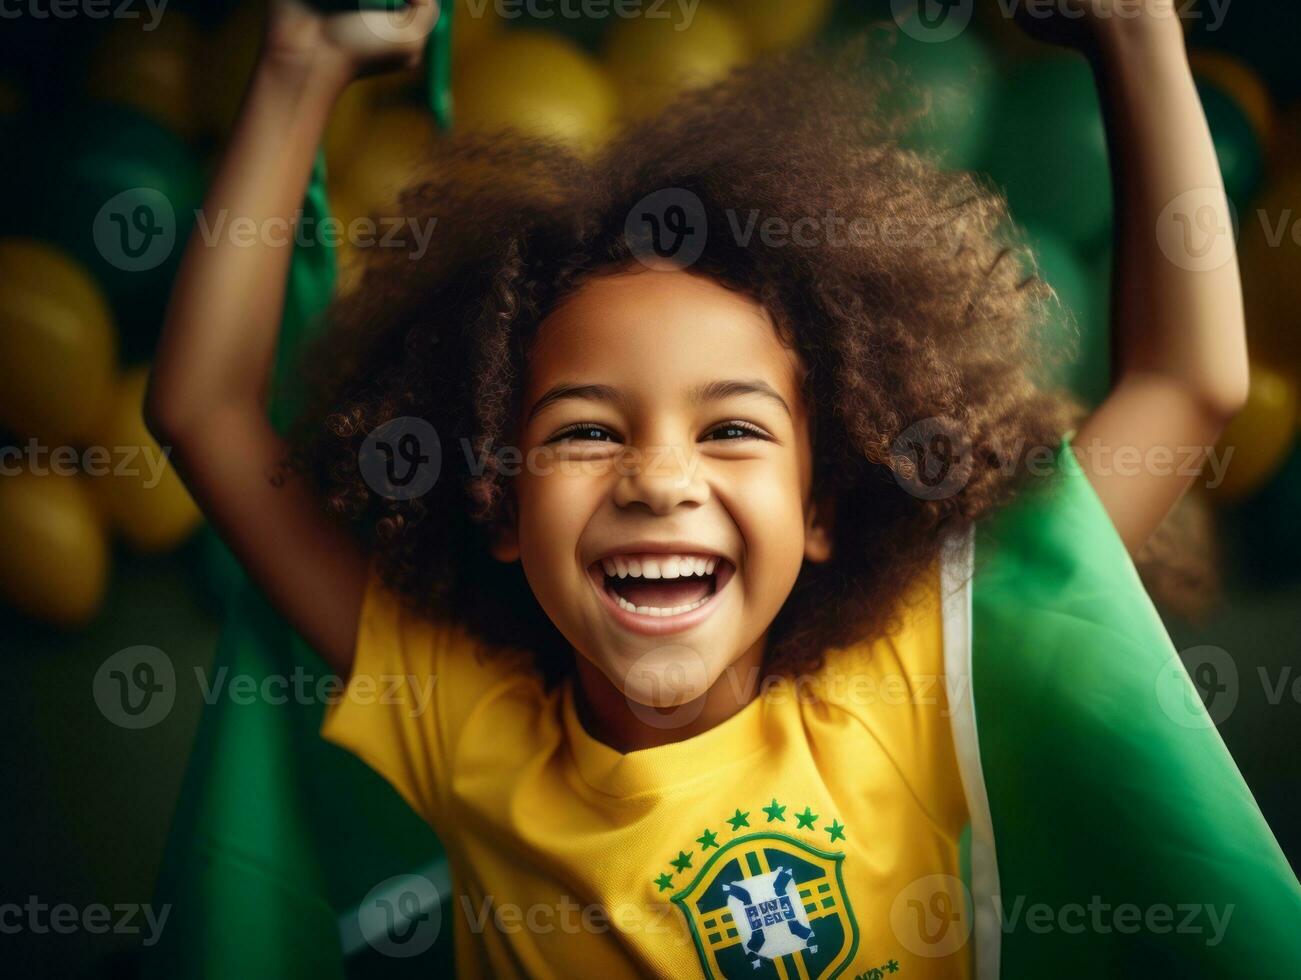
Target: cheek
(768, 508)
(553, 510)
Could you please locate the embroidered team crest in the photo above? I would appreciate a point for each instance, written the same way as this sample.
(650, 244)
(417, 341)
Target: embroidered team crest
(768, 905)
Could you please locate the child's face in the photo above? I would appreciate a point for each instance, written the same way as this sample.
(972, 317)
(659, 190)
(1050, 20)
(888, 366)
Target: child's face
(650, 460)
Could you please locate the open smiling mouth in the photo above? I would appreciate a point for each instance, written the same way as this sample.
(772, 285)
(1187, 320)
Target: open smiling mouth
(658, 593)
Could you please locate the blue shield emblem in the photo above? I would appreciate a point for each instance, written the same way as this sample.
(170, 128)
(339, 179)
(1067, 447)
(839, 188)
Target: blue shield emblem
(768, 905)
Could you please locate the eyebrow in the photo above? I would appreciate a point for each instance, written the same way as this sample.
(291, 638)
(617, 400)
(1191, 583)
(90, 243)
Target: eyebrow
(708, 392)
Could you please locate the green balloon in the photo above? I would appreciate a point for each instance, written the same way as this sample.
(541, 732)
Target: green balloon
(1048, 149)
(119, 192)
(1236, 145)
(957, 78)
(1075, 331)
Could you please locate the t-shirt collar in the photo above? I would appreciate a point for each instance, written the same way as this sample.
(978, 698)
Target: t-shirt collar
(658, 768)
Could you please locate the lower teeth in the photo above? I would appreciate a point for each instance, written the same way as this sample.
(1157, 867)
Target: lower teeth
(658, 611)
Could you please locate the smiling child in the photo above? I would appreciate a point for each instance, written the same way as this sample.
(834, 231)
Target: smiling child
(683, 567)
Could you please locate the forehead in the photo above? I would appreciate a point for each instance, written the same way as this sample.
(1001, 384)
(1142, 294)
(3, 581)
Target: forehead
(661, 328)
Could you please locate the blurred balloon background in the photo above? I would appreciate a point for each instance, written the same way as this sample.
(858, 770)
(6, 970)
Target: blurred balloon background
(109, 127)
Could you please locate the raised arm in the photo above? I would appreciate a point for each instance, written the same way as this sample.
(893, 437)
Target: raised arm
(1178, 328)
(207, 393)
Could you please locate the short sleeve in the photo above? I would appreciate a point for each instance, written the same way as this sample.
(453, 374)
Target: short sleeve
(414, 681)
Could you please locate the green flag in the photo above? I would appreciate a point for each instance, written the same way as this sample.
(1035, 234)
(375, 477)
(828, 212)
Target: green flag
(278, 835)
(1112, 832)
(276, 832)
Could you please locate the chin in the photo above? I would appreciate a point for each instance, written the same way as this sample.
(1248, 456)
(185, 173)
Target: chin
(665, 675)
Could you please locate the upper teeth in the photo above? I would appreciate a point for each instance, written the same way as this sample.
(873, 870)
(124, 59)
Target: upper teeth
(658, 566)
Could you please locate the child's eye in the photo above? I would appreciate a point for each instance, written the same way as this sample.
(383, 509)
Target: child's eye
(582, 432)
(736, 430)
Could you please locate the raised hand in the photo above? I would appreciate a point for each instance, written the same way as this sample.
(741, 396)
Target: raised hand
(350, 43)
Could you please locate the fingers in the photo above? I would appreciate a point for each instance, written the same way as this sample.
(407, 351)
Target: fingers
(403, 27)
(416, 20)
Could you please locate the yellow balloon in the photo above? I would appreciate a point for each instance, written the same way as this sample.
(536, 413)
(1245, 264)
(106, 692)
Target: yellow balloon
(652, 59)
(137, 488)
(538, 83)
(54, 550)
(60, 348)
(343, 203)
(151, 70)
(1270, 262)
(352, 269)
(393, 145)
(1260, 435)
(348, 211)
(351, 256)
(228, 57)
(1236, 79)
(776, 24)
(355, 108)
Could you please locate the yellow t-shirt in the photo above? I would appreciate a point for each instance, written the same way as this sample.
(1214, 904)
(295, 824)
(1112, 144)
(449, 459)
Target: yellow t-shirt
(813, 834)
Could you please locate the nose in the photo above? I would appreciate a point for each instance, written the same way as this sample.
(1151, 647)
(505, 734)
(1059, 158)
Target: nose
(660, 478)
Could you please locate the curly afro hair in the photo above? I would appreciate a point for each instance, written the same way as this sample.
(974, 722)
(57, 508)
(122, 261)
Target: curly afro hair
(915, 312)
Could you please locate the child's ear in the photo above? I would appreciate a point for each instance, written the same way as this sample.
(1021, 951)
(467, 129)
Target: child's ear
(818, 529)
(505, 534)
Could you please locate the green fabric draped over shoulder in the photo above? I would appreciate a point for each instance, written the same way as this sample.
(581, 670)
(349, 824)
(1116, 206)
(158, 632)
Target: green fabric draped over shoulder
(1127, 840)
